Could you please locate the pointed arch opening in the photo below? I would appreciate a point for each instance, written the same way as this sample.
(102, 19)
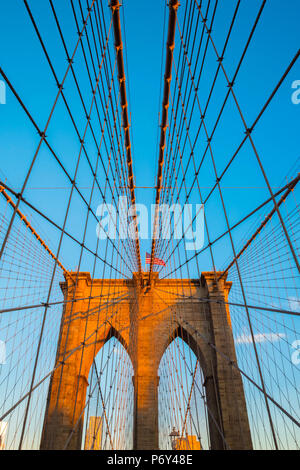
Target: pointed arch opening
(108, 420)
(183, 414)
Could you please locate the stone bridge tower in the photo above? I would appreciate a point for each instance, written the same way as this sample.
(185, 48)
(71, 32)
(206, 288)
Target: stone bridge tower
(146, 319)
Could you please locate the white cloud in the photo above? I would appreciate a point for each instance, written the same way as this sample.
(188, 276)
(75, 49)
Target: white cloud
(294, 304)
(260, 338)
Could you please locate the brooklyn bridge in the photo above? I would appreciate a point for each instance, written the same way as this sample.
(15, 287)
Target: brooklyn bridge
(128, 328)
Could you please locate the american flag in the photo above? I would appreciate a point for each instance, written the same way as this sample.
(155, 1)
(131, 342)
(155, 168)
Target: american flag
(156, 261)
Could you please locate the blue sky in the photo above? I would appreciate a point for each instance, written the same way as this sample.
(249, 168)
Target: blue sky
(275, 43)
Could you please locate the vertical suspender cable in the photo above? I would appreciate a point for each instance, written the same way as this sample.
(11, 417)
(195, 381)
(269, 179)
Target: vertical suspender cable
(115, 7)
(173, 6)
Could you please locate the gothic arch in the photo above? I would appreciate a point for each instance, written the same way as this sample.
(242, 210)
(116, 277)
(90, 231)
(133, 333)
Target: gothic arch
(97, 429)
(142, 324)
(194, 343)
(175, 411)
(206, 358)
